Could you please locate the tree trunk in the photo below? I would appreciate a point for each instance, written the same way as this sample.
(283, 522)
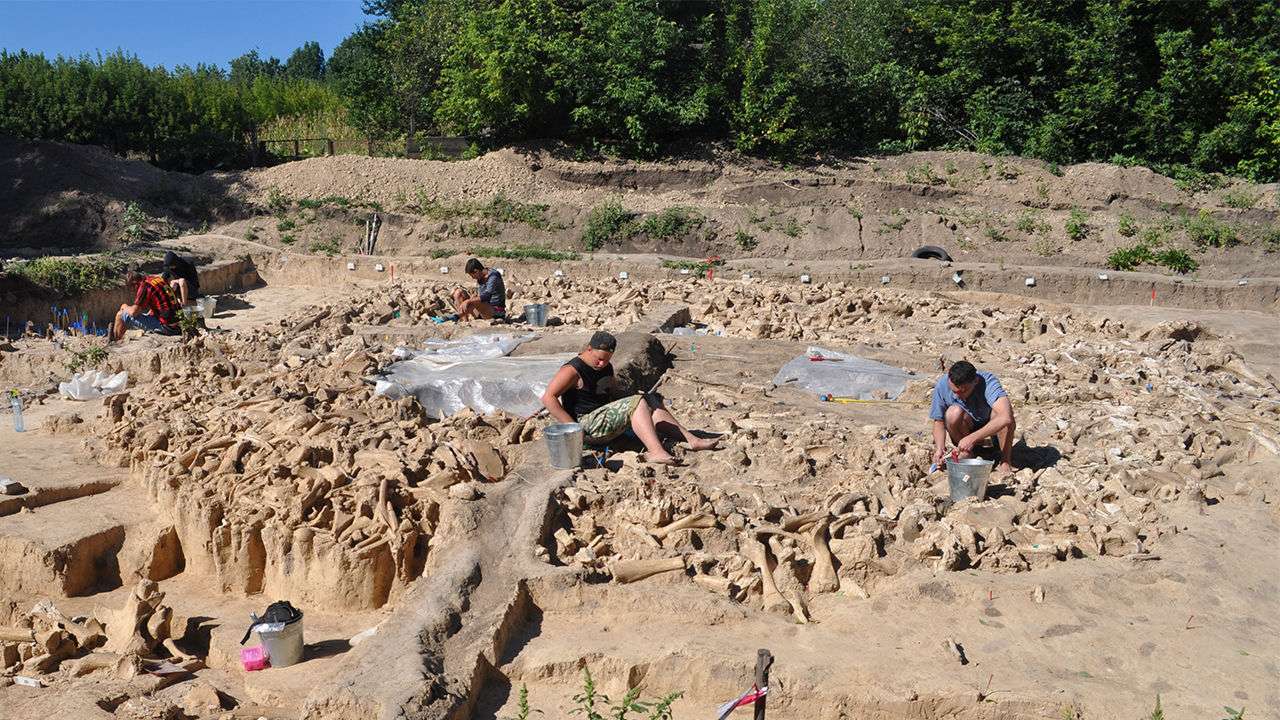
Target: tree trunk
(411, 140)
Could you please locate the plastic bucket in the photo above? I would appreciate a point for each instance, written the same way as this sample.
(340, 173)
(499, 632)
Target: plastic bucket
(536, 314)
(207, 306)
(283, 646)
(564, 445)
(968, 478)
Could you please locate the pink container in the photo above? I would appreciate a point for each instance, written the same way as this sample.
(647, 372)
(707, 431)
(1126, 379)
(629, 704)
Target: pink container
(253, 658)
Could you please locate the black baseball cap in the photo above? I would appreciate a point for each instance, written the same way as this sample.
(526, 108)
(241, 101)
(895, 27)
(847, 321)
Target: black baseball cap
(602, 340)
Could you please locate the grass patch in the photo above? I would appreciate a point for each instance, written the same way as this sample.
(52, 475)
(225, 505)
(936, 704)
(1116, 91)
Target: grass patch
(698, 266)
(674, 222)
(606, 222)
(1270, 239)
(66, 276)
(1077, 226)
(521, 252)
(440, 253)
(1240, 199)
(328, 247)
(1206, 231)
(499, 208)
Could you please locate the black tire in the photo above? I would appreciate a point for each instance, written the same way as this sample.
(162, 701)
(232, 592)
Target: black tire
(931, 252)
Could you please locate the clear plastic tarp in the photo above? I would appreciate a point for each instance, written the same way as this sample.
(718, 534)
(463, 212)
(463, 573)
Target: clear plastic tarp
(473, 372)
(92, 384)
(842, 375)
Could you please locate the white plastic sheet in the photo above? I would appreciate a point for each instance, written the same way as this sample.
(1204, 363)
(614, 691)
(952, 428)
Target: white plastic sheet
(842, 375)
(92, 384)
(472, 372)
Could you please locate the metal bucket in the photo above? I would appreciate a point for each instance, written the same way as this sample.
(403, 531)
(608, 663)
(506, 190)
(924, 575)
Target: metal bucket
(968, 478)
(564, 445)
(536, 314)
(207, 305)
(284, 647)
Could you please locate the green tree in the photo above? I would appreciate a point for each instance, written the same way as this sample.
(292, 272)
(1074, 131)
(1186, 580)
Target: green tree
(250, 66)
(305, 63)
(357, 69)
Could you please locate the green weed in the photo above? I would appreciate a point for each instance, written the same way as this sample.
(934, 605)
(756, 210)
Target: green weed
(792, 228)
(893, 225)
(251, 234)
(90, 357)
(1240, 199)
(855, 212)
(66, 276)
(995, 234)
(328, 247)
(674, 222)
(1233, 714)
(1174, 259)
(277, 202)
(1206, 231)
(1045, 247)
(1191, 180)
(288, 239)
(1129, 258)
(701, 267)
(745, 240)
(923, 174)
(439, 253)
(591, 704)
(1031, 223)
(1077, 226)
(1177, 260)
(1158, 712)
(1270, 239)
(1128, 227)
(606, 222)
(285, 224)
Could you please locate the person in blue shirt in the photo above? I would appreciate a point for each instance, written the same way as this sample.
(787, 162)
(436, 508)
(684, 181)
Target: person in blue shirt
(969, 405)
(490, 300)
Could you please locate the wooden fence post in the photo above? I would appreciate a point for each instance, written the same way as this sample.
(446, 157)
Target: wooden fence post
(297, 148)
(329, 145)
(763, 660)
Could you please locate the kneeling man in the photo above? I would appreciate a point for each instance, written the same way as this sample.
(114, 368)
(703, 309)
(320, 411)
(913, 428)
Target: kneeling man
(969, 405)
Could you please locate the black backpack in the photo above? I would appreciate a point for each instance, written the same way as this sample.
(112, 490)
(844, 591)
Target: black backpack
(281, 611)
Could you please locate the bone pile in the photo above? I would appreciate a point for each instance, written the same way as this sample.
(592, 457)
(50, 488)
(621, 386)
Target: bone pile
(293, 477)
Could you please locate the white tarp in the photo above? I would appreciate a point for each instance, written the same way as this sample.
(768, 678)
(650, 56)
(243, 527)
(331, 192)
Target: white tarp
(92, 384)
(471, 372)
(842, 375)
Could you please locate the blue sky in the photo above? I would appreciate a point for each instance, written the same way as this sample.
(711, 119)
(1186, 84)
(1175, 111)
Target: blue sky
(176, 32)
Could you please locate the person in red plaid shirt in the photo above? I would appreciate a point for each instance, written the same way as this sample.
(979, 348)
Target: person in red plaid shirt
(154, 307)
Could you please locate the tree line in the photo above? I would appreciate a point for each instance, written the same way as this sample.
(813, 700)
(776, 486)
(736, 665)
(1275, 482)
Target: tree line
(188, 118)
(1180, 86)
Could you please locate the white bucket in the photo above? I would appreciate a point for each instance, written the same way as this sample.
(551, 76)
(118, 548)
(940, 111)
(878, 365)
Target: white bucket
(207, 306)
(283, 646)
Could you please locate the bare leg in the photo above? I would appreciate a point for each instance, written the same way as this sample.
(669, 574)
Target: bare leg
(179, 286)
(117, 327)
(1006, 447)
(459, 299)
(643, 426)
(666, 423)
(958, 426)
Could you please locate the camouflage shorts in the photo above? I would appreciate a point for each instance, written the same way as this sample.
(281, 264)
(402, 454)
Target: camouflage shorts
(608, 422)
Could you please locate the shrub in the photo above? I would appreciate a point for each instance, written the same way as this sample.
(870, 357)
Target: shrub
(1129, 258)
(1128, 226)
(1077, 225)
(1177, 260)
(1206, 231)
(609, 221)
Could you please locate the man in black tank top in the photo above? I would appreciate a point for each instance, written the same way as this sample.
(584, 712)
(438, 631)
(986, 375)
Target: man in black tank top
(582, 392)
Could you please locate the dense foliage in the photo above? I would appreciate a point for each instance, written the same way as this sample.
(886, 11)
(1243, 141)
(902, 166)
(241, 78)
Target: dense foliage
(1181, 86)
(187, 119)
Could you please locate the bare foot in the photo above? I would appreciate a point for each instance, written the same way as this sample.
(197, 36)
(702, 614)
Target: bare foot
(704, 444)
(661, 459)
(1004, 468)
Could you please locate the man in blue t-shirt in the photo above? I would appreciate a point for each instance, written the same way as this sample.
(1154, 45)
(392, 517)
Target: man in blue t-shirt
(970, 406)
(490, 300)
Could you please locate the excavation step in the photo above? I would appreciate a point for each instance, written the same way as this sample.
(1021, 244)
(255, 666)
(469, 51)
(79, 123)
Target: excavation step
(69, 548)
(52, 467)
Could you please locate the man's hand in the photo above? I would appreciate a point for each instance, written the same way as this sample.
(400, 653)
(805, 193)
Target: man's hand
(938, 454)
(965, 446)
